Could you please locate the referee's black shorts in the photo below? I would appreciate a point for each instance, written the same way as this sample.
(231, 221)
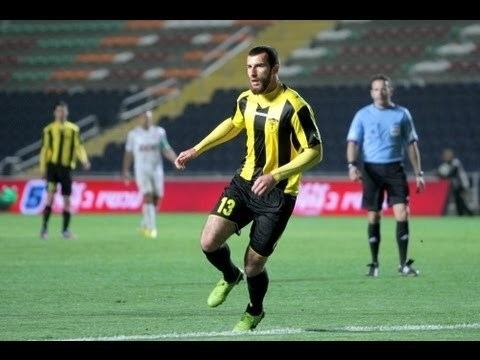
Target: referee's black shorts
(270, 213)
(59, 174)
(381, 178)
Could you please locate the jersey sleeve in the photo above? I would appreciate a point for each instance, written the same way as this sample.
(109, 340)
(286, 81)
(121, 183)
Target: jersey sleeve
(408, 131)
(305, 127)
(238, 116)
(355, 133)
(44, 150)
(80, 149)
(129, 142)
(164, 144)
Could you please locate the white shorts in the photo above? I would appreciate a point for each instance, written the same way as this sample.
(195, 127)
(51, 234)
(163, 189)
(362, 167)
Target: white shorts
(150, 181)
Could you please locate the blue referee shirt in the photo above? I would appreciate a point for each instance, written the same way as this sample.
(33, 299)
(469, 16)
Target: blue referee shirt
(382, 134)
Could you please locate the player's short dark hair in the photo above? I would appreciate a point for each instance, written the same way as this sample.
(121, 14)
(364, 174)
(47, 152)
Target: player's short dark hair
(381, 77)
(60, 103)
(270, 51)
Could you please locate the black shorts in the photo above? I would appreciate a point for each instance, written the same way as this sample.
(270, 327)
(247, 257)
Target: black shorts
(59, 174)
(378, 178)
(270, 213)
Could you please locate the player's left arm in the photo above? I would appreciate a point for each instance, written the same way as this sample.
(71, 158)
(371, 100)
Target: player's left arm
(43, 153)
(80, 150)
(462, 174)
(414, 156)
(411, 138)
(306, 131)
(308, 158)
(170, 155)
(167, 150)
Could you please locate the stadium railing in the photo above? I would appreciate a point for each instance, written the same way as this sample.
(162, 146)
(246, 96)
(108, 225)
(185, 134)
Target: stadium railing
(29, 155)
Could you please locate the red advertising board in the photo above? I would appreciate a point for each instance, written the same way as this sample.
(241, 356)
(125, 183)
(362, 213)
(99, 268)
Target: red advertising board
(317, 197)
(320, 197)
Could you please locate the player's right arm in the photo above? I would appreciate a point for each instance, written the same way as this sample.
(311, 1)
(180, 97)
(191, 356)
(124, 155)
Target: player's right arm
(127, 158)
(127, 162)
(352, 156)
(224, 132)
(354, 137)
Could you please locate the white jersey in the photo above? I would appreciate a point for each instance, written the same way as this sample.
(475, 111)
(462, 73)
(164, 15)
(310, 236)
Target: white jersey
(146, 146)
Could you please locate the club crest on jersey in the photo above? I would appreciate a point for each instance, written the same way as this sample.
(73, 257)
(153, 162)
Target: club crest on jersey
(272, 124)
(395, 130)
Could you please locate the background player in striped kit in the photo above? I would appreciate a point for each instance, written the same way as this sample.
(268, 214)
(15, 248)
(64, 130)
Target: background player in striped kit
(61, 147)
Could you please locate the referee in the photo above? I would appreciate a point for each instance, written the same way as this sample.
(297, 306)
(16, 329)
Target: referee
(383, 130)
(61, 147)
(282, 141)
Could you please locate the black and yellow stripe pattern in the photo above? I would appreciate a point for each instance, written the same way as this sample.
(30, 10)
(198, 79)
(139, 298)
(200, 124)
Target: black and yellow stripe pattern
(61, 145)
(279, 126)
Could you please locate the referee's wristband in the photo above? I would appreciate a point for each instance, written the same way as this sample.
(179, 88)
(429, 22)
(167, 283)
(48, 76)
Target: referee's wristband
(419, 174)
(351, 164)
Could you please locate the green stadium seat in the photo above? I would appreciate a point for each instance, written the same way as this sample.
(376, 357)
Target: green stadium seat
(73, 42)
(31, 75)
(48, 59)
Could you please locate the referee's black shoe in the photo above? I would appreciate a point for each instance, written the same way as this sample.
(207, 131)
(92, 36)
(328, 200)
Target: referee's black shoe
(407, 269)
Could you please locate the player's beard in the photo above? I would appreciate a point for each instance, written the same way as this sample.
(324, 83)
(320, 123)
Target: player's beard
(264, 83)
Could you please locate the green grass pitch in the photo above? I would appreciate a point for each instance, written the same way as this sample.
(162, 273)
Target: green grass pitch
(110, 283)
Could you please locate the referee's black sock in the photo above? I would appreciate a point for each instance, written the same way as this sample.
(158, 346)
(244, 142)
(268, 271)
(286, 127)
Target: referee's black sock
(257, 288)
(46, 215)
(66, 220)
(402, 240)
(220, 258)
(374, 240)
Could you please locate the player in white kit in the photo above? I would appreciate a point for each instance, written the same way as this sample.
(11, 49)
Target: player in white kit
(145, 145)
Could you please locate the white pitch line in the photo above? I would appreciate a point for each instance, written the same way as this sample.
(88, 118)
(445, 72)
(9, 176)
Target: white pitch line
(278, 331)
(392, 328)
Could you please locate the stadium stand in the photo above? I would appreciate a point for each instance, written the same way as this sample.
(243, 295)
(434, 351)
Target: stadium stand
(433, 63)
(110, 55)
(408, 50)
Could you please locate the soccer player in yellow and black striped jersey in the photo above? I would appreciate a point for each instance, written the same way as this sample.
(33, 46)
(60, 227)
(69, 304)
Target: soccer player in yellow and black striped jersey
(282, 141)
(61, 147)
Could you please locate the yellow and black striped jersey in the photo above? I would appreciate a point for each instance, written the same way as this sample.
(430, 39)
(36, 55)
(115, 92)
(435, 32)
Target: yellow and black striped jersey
(61, 144)
(279, 126)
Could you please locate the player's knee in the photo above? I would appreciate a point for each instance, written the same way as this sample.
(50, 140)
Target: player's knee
(374, 217)
(148, 198)
(215, 232)
(253, 268)
(208, 242)
(403, 216)
(254, 263)
(50, 200)
(208, 246)
(401, 212)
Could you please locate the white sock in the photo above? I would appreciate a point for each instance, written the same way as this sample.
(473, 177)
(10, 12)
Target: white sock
(152, 216)
(145, 220)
